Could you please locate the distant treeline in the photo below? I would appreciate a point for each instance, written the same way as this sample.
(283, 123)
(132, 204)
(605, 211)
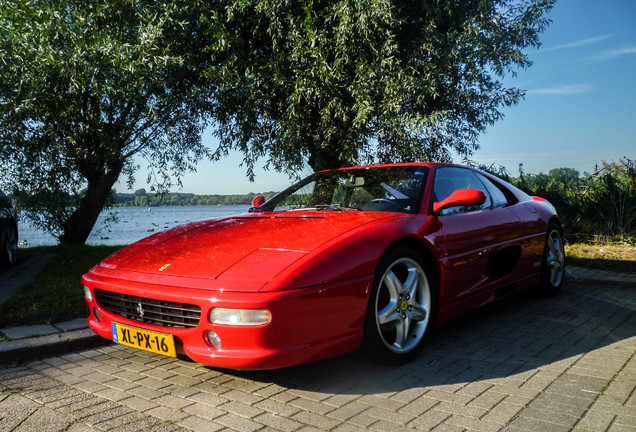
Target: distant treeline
(140, 198)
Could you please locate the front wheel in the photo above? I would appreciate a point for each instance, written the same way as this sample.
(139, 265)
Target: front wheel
(553, 265)
(401, 306)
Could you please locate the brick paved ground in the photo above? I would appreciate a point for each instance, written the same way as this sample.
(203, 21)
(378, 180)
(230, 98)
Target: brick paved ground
(528, 364)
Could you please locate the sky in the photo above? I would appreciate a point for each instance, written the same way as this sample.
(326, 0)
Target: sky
(579, 109)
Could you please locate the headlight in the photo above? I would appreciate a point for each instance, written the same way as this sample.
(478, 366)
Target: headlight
(88, 294)
(240, 317)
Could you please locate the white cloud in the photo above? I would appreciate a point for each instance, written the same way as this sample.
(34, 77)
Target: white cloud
(612, 54)
(563, 90)
(579, 43)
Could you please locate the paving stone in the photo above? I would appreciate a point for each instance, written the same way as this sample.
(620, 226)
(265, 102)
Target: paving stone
(112, 394)
(166, 413)
(208, 399)
(119, 421)
(527, 364)
(311, 405)
(143, 424)
(277, 422)
(151, 383)
(173, 401)
(621, 428)
(463, 410)
(562, 418)
(204, 411)
(200, 424)
(535, 425)
(14, 409)
(348, 411)
(429, 420)
(69, 379)
(284, 397)
(138, 404)
(99, 412)
(339, 400)
(124, 374)
(626, 419)
(179, 391)
(238, 423)
(315, 420)
(362, 420)
(81, 427)
(240, 396)
(346, 427)
(145, 392)
(74, 403)
(277, 408)
(502, 413)
(472, 424)
(487, 400)
(595, 420)
(45, 420)
(121, 384)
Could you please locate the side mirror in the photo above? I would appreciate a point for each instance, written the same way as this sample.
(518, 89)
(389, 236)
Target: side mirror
(258, 201)
(461, 197)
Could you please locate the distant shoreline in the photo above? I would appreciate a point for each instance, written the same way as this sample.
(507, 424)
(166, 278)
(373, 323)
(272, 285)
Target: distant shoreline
(178, 199)
(123, 225)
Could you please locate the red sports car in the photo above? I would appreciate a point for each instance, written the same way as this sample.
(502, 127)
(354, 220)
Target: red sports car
(369, 256)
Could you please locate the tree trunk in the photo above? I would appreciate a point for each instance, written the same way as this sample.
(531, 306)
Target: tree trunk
(80, 224)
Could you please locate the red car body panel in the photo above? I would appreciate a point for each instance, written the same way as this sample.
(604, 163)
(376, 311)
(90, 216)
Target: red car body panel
(313, 270)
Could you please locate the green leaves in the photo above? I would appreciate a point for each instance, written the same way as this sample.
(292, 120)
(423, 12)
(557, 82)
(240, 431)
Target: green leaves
(84, 86)
(331, 83)
(87, 85)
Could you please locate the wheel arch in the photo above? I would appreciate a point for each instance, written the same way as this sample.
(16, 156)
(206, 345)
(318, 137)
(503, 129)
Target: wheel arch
(557, 221)
(425, 249)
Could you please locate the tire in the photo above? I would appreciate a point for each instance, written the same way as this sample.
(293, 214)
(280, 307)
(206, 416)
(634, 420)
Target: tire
(401, 308)
(553, 263)
(8, 246)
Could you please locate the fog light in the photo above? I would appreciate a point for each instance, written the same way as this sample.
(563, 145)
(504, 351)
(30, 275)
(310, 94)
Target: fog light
(213, 339)
(240, 317)
(97, 315)
(88, 294)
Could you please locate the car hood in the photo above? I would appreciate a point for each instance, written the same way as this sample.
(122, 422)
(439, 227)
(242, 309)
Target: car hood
(249, 247)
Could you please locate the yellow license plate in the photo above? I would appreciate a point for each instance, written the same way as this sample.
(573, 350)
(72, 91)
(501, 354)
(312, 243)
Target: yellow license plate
(147, 340)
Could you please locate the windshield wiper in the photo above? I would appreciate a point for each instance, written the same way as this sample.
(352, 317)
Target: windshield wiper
(336, 207)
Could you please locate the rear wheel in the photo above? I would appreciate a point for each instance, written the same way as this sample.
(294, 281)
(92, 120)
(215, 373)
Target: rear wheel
(401, 306)
(553, 265)
(8, 246)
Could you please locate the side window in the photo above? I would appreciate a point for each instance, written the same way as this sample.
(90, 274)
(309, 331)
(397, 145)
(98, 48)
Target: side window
(450, 179)
(498, 197)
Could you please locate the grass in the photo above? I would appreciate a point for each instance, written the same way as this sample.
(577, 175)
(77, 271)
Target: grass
(57, 294)
(602, 254)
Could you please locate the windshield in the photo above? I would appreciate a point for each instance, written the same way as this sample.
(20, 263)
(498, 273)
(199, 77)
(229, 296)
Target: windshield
(395, 189)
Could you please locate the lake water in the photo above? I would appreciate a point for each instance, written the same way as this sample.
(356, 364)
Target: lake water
(133, 223)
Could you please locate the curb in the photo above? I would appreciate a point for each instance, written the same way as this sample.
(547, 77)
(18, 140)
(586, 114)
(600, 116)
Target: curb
(44, 346)
(580, 274)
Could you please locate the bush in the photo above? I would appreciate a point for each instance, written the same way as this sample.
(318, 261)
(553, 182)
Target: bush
(600, 204)
(609, 200)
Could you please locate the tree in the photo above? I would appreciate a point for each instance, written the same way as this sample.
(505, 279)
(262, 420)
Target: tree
(84, 86)
(335, 82)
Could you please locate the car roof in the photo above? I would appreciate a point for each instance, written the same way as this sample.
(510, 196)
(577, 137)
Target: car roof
(403, 164)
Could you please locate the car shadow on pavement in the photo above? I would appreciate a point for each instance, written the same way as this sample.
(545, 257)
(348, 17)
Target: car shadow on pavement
(508, 338)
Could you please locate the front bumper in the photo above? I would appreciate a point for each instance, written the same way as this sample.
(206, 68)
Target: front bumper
(307, 324)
